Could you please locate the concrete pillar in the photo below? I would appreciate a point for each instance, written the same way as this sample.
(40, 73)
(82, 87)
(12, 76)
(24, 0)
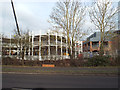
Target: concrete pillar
(10, 47)
(71, 47)
(56, 45)
(79, 47)
(87, 51)
(66, 46)
(90, 46)
(21, 48)
(61, 47)
(25, 50)
(32, 45)
(48, 46)
(25, 54)
(40, 46)
(75, 51)
(18, 49)
(29, 46)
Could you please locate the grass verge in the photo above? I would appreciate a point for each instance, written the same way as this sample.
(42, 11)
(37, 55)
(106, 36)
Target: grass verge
(62, 70)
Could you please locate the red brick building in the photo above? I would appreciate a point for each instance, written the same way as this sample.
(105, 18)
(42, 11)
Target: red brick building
(92, 44)
(116, 44)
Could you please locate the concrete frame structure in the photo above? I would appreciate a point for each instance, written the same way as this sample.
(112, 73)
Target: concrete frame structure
(79, 46)
(43, 47)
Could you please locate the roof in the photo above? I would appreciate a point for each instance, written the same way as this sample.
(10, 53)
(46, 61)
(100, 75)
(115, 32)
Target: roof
(96, 36)
(117, 31)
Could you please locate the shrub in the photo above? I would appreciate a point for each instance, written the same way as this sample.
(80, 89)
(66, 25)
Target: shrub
(10, 61)
(115, 61)
(99, 61)
(74, 62)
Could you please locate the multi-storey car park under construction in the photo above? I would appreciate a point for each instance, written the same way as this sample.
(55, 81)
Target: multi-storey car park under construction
(43, 47)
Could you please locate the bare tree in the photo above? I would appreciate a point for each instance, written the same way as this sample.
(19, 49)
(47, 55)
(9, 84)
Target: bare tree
(68, 17)
(102, 16)
(22, 42)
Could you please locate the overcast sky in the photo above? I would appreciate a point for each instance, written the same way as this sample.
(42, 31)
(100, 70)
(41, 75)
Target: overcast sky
(31, 14)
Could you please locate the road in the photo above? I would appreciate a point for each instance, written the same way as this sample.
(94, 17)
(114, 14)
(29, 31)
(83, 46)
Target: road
(58, 81)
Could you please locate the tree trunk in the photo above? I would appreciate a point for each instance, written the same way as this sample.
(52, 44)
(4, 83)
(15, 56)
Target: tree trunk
(102, 45)
(101, 49)
(23, 51)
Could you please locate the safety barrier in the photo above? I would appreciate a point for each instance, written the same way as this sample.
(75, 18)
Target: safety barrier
(48, 65)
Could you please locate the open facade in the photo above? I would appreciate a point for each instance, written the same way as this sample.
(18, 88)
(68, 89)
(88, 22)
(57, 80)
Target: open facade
(41, 47)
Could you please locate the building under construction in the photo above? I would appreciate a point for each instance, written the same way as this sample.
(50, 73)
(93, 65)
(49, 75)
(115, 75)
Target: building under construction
(42, 47)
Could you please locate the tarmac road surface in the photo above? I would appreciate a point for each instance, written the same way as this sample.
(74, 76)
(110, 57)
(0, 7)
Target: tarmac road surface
(58, 81)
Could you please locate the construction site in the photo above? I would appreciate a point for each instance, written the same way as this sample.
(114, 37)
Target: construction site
(41, 47)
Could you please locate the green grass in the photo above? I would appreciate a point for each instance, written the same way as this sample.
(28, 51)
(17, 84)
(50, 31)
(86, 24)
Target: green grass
(78, 67)
(40, 70)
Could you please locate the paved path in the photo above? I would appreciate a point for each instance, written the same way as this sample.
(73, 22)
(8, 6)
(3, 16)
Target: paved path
(58, 81)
